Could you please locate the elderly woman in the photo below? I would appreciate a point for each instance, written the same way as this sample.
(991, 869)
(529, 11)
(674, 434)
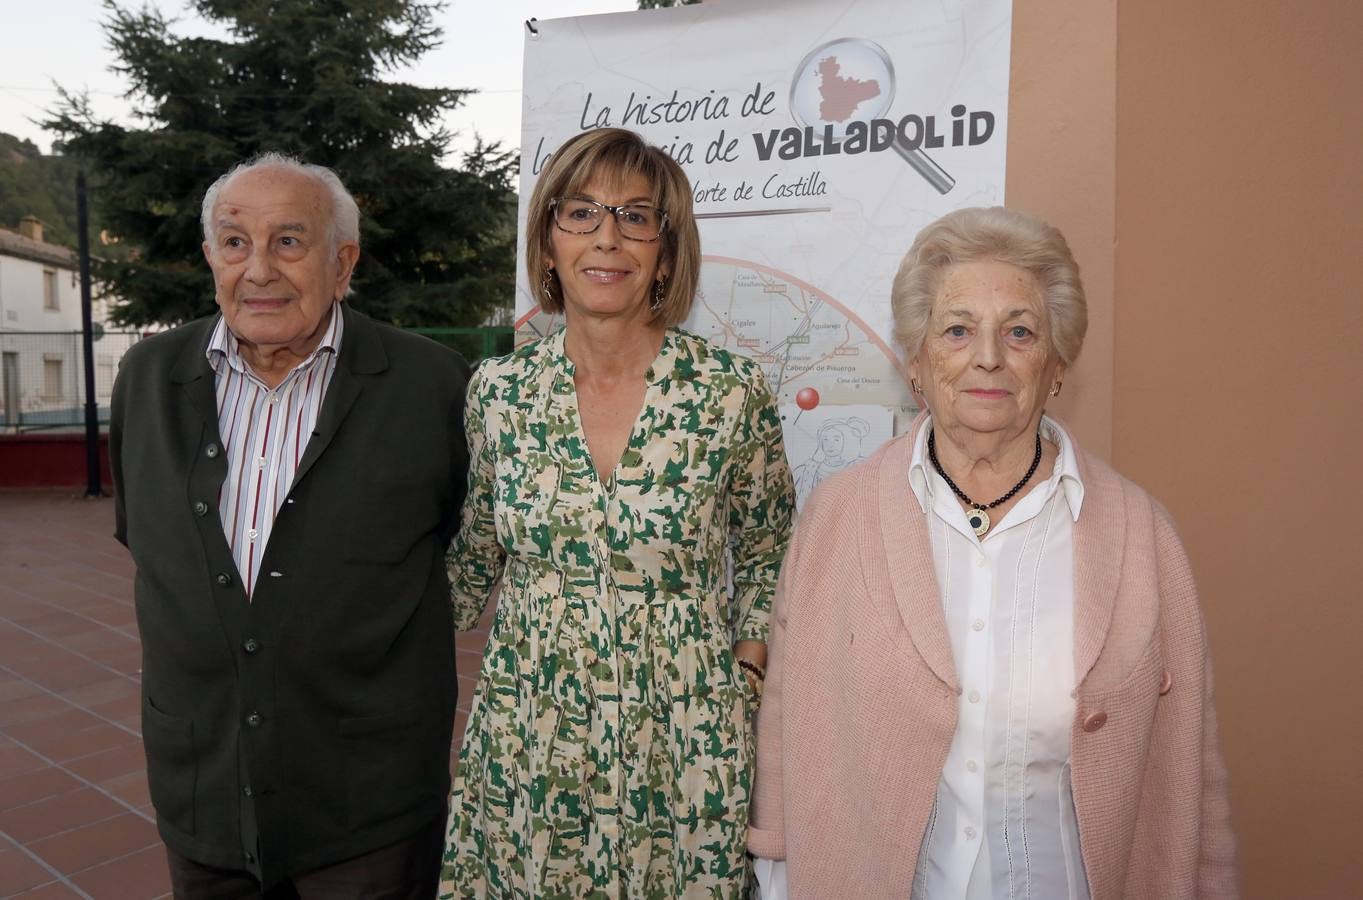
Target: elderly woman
(989, 676)
(621, 468)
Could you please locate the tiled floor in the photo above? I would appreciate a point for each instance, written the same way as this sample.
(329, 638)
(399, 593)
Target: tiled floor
(75, 819)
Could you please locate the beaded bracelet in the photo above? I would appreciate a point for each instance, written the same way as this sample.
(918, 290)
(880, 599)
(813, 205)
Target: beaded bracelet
(753, 668)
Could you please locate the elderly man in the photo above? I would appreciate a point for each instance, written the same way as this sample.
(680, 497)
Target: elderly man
(289, 474)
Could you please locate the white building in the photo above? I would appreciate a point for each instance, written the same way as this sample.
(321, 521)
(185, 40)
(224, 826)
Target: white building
(41, 357)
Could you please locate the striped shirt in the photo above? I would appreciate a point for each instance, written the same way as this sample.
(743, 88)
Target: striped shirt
(264, 432)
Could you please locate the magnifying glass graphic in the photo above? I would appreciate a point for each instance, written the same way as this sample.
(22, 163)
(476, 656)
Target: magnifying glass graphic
(853, 79)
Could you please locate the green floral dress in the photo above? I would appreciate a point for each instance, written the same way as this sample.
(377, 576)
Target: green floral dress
(609, 751)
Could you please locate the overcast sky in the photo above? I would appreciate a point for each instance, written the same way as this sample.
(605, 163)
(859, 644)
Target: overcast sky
(46, 41)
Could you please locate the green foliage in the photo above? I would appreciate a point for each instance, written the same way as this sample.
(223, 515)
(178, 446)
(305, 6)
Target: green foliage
(35, 185)
(301, 77)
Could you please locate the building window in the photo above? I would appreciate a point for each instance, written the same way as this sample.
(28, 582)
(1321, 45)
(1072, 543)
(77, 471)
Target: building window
(50, 289)
(52, 377)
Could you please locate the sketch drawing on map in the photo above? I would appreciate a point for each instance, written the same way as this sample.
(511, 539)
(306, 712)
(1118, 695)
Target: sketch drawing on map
(824, 441)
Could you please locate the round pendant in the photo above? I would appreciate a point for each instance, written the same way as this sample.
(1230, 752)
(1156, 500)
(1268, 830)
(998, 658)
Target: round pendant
(979, 520)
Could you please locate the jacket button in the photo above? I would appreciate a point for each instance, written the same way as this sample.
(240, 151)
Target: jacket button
(250, 645)
(253, 719)
(1094, 721)
(223, 579)
(247, 792)
(200, 508)
(212, 451)
(1165, 682)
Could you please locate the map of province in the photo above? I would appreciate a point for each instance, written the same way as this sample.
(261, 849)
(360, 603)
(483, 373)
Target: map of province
(798, 334)
(841, 96)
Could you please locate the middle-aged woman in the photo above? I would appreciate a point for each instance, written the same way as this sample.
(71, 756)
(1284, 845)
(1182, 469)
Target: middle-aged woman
(988, 674)
(622, 471)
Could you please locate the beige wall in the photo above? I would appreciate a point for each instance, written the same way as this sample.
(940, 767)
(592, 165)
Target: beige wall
(1206, 161)
(1237, 391)
(1062, 117)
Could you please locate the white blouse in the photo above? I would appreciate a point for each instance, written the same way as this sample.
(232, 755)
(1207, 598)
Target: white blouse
(1004, 823)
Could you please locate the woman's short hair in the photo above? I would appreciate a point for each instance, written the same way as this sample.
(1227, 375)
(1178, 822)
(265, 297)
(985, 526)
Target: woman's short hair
(615, 155)
(991, 233)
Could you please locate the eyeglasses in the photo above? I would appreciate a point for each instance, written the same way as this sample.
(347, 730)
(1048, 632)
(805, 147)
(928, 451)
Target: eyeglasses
(636, 221)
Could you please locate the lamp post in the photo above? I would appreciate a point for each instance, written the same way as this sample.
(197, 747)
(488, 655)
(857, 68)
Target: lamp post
(92, 473)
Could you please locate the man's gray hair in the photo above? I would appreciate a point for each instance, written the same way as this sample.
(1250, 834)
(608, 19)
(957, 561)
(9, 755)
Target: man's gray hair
(345, 214)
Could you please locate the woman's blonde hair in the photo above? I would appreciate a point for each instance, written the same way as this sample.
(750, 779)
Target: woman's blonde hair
(614, 155)
(996, 233)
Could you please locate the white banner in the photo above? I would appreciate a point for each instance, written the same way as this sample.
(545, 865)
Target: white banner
(819, 137)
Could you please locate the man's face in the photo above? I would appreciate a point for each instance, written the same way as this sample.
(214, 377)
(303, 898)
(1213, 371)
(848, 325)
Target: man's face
(273, 262)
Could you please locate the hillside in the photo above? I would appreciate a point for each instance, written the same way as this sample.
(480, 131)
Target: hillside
(37, 185)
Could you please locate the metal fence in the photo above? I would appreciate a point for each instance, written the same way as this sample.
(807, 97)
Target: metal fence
(42, 373)
(42, 377)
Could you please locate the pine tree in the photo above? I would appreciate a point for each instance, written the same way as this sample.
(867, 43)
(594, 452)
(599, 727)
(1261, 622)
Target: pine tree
(302, 77)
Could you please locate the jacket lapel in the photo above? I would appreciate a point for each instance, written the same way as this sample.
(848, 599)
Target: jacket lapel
(909, 558)
(1099, 541)
(361, 353)
(192, 373)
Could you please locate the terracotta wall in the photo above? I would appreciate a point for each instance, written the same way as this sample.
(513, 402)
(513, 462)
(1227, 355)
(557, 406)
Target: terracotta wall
(1206, 161)
(1062, 133)
(1237, 395)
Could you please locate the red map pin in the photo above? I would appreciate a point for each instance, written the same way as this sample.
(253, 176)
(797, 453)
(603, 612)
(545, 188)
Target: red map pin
(806, 399)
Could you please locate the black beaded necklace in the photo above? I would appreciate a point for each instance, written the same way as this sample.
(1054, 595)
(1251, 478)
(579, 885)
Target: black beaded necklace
(976, 516)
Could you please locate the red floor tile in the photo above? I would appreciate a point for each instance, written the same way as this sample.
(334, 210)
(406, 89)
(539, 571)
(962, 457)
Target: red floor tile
(131, 789)
(86, 742)
(120, 709)
(15, 760)
(139, 876)
(65, 671)
(59, 624)
(54, 891)
(30, 787)
(52, 727)
(81, 848)
(19, 873)
(12, 688)
(114, 687)
(57, 814)
(30, 709)
(125, 759)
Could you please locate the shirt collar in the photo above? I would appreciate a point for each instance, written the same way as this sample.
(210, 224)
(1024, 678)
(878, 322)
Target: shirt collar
(925, 483)
(224, 348)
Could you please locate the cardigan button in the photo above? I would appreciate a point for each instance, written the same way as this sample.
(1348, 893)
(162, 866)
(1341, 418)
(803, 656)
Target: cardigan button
(1166, 681)
(1094, 721)
(200, 508)
(212, 451)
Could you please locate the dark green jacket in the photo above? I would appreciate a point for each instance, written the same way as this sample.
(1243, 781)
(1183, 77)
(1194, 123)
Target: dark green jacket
(312, 723)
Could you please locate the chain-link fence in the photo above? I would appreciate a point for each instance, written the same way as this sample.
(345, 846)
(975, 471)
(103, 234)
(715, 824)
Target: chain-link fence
(42, 373)
(42, 377)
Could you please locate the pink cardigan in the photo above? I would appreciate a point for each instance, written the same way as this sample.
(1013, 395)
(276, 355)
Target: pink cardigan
(860, 702)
